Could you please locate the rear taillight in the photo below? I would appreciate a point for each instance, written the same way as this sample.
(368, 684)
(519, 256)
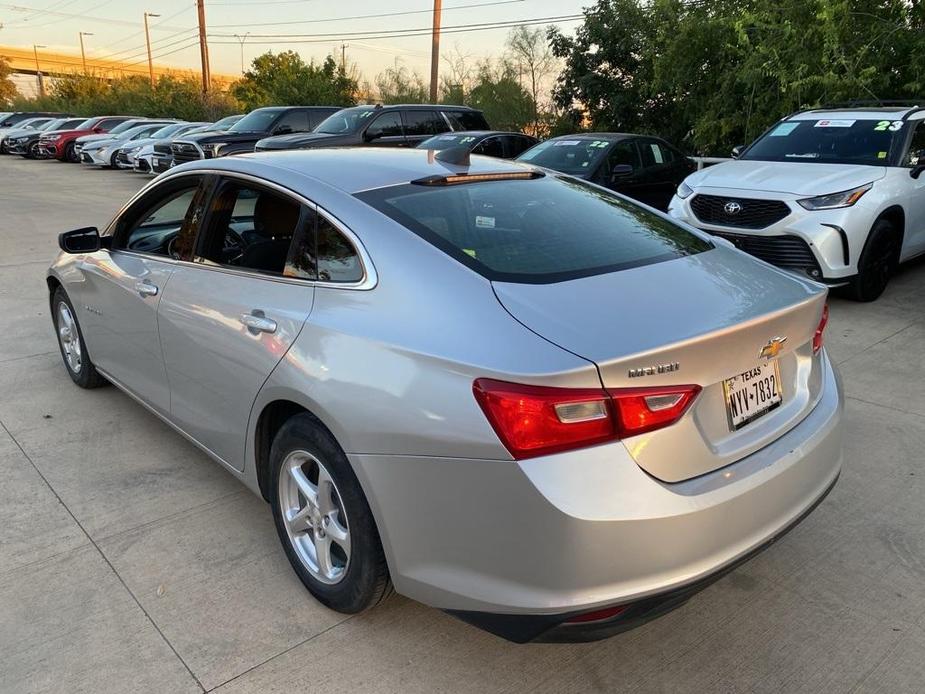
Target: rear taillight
(820, 330)
(537, 420)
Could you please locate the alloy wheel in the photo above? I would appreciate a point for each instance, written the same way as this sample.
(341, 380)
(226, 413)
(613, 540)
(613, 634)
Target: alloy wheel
(69, 338)
(314, 517)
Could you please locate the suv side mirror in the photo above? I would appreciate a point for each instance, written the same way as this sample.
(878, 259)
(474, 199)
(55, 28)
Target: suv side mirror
(369, 137)
(917, 170)
(620, 171)
(737, 151)
(97, 129)
(282, 130)
(86, 240)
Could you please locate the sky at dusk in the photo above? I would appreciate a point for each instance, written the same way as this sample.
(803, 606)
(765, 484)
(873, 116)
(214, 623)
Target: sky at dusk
(314, 28)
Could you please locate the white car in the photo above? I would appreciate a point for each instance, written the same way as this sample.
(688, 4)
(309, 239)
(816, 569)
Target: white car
(836, 195)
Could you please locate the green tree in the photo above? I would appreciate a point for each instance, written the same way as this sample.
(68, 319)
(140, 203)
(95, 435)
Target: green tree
(8, 89)
(497, 91)
(285, 79)
(710, 75)
(399, 85)
(531, 53)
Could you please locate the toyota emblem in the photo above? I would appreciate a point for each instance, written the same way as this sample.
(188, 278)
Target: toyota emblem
(732, 207)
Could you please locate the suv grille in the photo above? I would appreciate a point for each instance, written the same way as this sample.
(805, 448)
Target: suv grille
(786, 251)
(184, 152)
(162, 149)
(750, 213)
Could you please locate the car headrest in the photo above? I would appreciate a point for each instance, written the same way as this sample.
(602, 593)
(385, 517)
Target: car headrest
(274, 216)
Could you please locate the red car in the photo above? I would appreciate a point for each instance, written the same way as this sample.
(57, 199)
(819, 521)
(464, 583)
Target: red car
(60, 143)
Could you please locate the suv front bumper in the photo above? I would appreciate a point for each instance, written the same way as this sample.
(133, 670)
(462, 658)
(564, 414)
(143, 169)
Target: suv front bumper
(834, 237)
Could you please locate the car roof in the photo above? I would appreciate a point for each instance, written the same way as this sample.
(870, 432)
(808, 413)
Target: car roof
(870, 113)
(416, 107)
(613, 137)
(480, 133)
(352, 169)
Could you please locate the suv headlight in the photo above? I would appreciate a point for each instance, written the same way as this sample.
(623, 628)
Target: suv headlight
(213, 148)
(845, 198)
(684, 191)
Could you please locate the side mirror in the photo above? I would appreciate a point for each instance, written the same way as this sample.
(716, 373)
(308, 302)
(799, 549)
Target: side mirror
(86, 240)
(917, 171)
(282, 130)
(737, 151)
(620, 171)
(97, 129)
(369, 137)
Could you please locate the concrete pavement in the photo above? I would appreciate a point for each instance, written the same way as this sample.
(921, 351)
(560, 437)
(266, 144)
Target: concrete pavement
(130, 562)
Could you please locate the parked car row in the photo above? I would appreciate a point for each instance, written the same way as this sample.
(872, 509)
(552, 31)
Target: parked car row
(834, 195)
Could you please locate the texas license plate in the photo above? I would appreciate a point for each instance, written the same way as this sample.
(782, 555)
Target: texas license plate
(752, 394)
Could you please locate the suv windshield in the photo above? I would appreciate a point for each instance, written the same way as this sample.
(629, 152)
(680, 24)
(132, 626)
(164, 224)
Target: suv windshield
(256, 121)
(123, 126)
(828, 141)
(349, 120)
(542, 230)
(575, 156)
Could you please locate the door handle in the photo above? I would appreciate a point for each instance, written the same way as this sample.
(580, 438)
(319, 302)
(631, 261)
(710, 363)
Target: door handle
(145, 288)
(256, 322)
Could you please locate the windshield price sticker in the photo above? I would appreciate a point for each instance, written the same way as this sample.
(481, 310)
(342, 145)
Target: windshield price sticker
(887, 125)
(566, 143)
(784, 129)
(834, 123)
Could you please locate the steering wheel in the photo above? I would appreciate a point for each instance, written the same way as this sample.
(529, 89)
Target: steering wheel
(233, 247)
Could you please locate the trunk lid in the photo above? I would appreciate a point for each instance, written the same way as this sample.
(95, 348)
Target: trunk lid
(709, 313)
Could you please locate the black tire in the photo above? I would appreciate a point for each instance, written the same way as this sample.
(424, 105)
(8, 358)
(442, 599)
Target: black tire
(85, 375)
(112, 161)
(32, 152)
(365, 581)
(70, 153)
(878, 262)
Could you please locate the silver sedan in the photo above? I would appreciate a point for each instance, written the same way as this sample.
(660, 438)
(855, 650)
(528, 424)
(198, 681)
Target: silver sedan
(511, 394)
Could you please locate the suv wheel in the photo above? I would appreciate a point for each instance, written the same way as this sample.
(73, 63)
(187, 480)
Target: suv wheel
(878, 262)
(70, 153)
(71, 342)
(323, 519)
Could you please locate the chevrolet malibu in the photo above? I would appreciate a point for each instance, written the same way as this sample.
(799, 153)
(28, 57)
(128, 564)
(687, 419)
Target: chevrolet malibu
(513, 395)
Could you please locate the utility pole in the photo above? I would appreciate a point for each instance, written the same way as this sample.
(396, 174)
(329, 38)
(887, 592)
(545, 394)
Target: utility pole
(203, 46)
(83, 55)
(343, 58)
(38, 71)
(148, 42)
(435, 52)
(241, 40)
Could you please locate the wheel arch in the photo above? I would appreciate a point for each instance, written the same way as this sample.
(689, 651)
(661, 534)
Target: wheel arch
(896, 216)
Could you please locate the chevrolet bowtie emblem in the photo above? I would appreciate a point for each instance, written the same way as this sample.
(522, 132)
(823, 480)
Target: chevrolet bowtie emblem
(773, 348)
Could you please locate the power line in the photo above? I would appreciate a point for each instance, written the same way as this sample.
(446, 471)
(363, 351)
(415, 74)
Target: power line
(71, 15)
(366, 16)
(398, 33)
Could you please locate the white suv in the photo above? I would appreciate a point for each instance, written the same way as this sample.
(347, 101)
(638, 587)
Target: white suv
(836, 194)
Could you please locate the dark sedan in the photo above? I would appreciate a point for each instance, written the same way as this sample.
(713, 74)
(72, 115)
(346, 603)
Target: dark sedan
(641, 167)
(491, 143)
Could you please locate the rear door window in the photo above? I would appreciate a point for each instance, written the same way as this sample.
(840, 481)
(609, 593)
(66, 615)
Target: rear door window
(547, 229)
(423, 123)
(467, 120)
(294, 121)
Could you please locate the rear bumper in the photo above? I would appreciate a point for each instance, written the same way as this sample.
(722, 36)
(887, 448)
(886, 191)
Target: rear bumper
(535, 542)
(559, 628)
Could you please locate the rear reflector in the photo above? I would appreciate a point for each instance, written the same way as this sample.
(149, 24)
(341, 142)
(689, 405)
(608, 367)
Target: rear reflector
(597, 615)
(820, 330)
(537, 420)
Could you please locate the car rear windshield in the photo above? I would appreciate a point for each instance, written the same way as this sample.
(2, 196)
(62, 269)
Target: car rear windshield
(571, 155)
(542, 230)
(829, 141)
